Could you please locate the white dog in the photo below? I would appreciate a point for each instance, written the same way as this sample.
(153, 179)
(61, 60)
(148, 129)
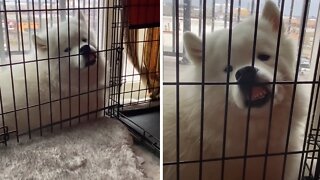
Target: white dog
(66, 72)
(247, 90)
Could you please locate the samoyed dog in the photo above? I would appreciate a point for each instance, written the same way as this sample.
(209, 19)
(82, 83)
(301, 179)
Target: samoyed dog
(64, 77)
(232, 134)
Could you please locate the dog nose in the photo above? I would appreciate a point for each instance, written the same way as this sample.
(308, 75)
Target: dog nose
(85, 50)
(246, 74)
(88, 54)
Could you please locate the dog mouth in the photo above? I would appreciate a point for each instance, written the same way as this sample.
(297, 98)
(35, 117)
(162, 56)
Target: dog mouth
(90, 59)
(253, 88)
(256, 95)
(89, 55)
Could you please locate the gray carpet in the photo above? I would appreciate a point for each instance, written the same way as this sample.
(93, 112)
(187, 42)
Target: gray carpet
(93, 150)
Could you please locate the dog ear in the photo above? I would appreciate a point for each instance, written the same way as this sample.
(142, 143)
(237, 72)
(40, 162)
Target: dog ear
(193, 46)
(272, 14)
(40, 41)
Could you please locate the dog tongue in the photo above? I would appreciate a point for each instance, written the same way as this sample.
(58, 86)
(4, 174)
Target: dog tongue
(258, 92)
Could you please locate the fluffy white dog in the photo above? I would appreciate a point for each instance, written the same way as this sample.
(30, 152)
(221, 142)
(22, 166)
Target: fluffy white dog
(69, 76)
(250, 87)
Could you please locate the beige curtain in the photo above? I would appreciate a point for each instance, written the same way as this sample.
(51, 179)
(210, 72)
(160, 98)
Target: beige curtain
(149, 65)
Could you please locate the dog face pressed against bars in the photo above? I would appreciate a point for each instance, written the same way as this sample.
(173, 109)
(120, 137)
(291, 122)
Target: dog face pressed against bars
(78, 44)
(69, 73)
(240, 69)
(250, 86)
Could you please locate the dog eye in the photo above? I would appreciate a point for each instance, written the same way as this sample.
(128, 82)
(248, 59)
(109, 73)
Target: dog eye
(67, 49)
(228, 69)
(263, 57)
(84, 40)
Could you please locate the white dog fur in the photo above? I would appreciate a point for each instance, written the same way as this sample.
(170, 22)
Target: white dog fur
(43, 48)
(216, 56)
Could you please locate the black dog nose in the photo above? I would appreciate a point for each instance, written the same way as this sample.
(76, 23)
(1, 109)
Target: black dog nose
(85, 50)
(246, 74)
(88, 54)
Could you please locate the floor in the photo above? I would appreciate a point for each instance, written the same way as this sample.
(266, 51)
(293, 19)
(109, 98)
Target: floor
(151, 162)
(92, 149)
(148, 122)
(145, 121)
